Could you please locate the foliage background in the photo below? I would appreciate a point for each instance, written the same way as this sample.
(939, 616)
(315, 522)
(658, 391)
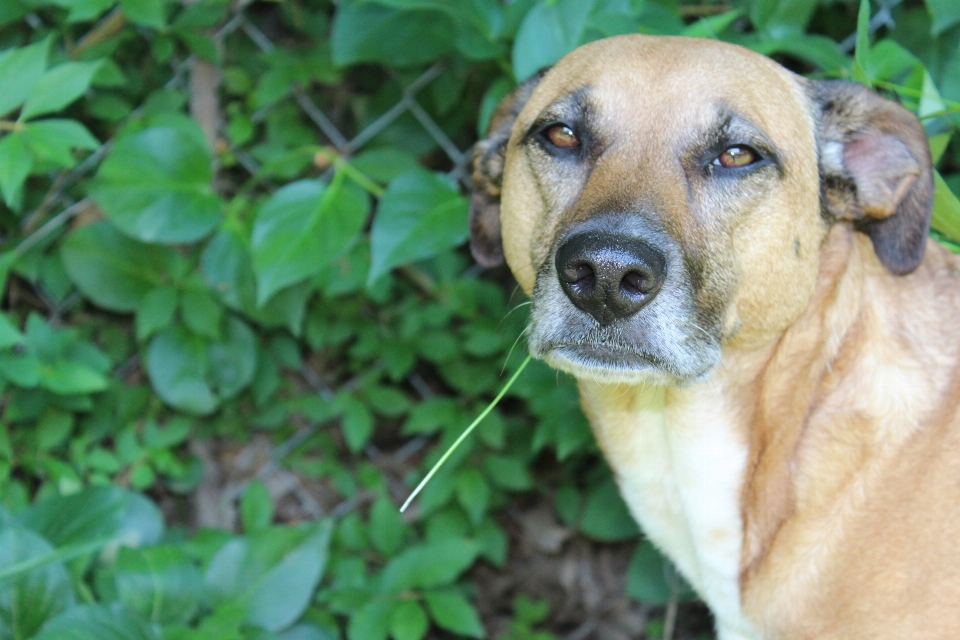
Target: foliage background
(240, 324)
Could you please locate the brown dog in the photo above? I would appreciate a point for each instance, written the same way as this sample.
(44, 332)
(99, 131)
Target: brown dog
(734, 263)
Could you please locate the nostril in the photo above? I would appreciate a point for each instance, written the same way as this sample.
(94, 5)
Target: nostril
(582, 272)
(637, 283)
(580, 276)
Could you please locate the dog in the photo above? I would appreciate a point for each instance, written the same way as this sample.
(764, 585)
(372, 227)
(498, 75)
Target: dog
(734, 263)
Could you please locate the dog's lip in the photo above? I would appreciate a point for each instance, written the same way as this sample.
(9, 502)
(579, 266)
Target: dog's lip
(610, 355)
(615, 362)
(606, 363)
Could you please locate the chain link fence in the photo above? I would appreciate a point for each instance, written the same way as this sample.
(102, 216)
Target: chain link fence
(201, 80)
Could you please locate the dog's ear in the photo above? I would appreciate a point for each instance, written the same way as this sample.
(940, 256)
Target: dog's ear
(875, 170)
(489, 157)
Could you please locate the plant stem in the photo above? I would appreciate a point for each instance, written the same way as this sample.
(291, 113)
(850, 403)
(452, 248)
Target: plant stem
(463, 436)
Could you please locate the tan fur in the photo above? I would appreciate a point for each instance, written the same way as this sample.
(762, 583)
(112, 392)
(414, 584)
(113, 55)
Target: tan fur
(849, 520)
(838, 383)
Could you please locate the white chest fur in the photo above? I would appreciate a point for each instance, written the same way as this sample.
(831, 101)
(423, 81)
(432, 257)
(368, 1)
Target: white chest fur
(680, 467)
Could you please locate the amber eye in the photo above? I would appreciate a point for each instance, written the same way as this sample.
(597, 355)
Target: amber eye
(560, 135)
(736, 157)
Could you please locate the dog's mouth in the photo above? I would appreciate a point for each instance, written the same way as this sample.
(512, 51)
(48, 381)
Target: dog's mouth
(644, 350)
(602, 362)
(620, 364)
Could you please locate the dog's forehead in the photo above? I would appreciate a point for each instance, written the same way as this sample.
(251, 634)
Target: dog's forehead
(673, 84)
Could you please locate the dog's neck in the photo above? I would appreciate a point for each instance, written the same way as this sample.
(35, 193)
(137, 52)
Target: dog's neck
(780, 384)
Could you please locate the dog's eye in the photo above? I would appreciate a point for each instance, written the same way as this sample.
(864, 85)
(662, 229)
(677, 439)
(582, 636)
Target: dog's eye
(737, 156)
(562, 136)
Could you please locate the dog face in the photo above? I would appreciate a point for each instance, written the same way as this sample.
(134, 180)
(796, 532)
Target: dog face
(662, 199)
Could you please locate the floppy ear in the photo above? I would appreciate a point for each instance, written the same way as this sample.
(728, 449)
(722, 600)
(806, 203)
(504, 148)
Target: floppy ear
(489, 157)
(875, 170)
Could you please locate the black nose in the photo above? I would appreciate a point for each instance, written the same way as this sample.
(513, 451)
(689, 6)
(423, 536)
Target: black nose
(609, 275)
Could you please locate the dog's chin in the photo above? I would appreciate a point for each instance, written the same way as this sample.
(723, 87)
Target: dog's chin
(616, 366)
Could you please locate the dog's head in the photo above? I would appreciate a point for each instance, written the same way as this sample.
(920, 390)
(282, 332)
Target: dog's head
(660, 198)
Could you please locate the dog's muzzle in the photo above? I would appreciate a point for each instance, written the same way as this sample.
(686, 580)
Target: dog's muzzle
(611, 276)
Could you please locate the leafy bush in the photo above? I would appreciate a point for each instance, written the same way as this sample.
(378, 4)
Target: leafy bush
(243, 222)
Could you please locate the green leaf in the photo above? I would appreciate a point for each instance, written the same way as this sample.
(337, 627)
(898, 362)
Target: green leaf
(98, 622)
(58, 87)
(19, 71)
(946, 209)
(174, 432)
(408, 621)
(371, 622)
(861, 55)
(386, 527)
(177, 364)
(712, 26)
(21, 369)
(606, 517)
(272, 573)
(777, 17)
(946, 14)
(366, 32)
(256, 507)
(889, 59)
(156, 186)
(55, 139)
(16, 162)
(95, 513)
(383, 164)
(12, 10)
(508, 472)
(116, 279)
(387, 401)
(419, 215)
(29, 599)
(233, 360)
(433, 564)
(84, 10)
(938, 145)
(473, 493)
(201, 312)
(491, 98)
(357, 423)
(451, 611)
(651, 578)
(303, 227)
(53, 427)
(66, 377)
(554, 28)
(493, 542)
(306, 631)
(9, 333)
(930, 100)
(225, 264)
(160, 583)
(149, 13)
(818, 50)
(155, 311)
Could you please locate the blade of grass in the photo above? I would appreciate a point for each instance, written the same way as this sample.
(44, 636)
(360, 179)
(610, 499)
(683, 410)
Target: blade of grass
(861, 55)
(463, 436)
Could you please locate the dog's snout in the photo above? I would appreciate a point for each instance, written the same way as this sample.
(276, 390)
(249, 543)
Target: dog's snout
(609, 275)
